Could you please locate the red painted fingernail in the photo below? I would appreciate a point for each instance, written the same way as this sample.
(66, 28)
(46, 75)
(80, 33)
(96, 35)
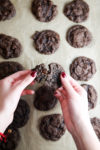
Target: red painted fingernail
(55, 93)
(33, 74)
(63, 74)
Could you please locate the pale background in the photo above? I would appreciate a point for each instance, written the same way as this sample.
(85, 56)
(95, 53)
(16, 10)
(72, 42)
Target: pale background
(22, 26)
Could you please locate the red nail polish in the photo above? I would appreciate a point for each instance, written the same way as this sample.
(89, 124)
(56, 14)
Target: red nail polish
(55, 93)
(63, 74)
(33, 73)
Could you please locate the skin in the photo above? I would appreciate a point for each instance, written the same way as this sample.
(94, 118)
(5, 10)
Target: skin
(73, 100)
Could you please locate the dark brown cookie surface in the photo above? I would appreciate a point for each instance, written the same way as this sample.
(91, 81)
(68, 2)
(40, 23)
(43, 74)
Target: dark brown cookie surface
(45, 99)
(13, 138)
(8, 68)
(21, 115)
(41, 73)
(52, 127)
(46, 42)
(96, 125)
(91, 94)
(10, 47)
(79, 36)
(82, 68)
(77, 11)
(53, 78)
(7, 10)
(44, 10)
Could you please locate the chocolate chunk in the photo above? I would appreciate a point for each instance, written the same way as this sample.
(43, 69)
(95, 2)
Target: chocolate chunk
(91, 94)
(7, 10)
(45, 99)
(10, 47)
(52, 127)
(46, 42)
(79, 36)
(44, 10)
(82, 68)
(8, 68)
(77, 11)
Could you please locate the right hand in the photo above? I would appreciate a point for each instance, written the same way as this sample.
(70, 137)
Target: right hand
(74, 103)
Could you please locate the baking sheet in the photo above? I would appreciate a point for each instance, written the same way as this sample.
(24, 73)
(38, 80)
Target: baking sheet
(23, 26)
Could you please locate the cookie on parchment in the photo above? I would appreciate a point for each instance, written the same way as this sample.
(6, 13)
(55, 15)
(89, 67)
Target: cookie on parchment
(52, 127)
(10, 47)
(79, 36)
(7, 10)
(82, 68)
(44, 10)
(77, 11)
(96, 125)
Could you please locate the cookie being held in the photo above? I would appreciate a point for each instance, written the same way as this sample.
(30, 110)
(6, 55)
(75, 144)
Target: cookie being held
(91, 94)
(7, 10)
(52, 127)
(45, 99)
(77, 11)
(44, 10)
(9, 67)
(21, 115)
(46, 42)
(13, 138)
(79, 36)
(10, 47)
(82, 68)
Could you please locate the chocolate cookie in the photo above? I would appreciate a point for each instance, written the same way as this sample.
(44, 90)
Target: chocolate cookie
(52, 127)
(82, 68)
(91, 94)
(10, 47)
(9, 67)
(96, 125)
(44, 10)
(46, 42)
(21, 115)
(7, 10)
(41, 73)
(77, 11)
(53, 78)
(79, 36)
(13, 138)
(45, 99)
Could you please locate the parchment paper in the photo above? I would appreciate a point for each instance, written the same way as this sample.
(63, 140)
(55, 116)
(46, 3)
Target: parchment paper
(23, 26)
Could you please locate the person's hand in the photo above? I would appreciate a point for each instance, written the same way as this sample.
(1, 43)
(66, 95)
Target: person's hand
(11, 88)
(74, 103)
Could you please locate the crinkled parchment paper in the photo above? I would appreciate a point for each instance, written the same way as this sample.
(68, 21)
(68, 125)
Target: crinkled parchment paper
(23, 26)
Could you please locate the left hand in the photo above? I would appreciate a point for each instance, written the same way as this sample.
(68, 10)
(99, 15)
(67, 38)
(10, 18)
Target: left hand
(11, 88)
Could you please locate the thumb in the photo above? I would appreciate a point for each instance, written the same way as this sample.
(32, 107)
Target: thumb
(67, 85)
(26, 80)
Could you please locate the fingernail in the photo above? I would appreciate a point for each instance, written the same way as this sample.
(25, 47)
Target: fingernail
(33, 74)
(63, 74)
(55, 93)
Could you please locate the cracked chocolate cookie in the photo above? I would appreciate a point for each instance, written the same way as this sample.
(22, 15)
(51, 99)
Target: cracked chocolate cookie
(44, 10)
(42, 73)
(13, 138)
(9, 67)
(46, 42)
(21, 115)
(53, 78)
(45, 99)
(10, 47)
(79, 36)
(96, 125)
(52, 127)
(82, 68)
(91, 94)
(77, 11)
(7, 10)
